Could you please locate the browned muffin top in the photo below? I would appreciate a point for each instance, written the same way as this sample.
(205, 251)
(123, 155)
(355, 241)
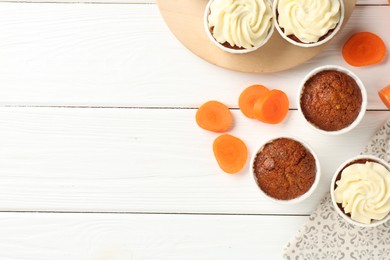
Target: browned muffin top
(331, 100)
(284, 169)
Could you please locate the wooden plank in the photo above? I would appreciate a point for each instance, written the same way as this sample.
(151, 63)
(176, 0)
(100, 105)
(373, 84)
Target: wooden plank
(115, 237)
(148, 160)
(124, 55)
(372, 2)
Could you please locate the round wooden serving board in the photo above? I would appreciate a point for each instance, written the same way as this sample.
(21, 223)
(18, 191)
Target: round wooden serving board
(185, 20)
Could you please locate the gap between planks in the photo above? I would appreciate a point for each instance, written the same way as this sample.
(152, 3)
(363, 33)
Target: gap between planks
(80, 2)
(138, 107)
(151, 213)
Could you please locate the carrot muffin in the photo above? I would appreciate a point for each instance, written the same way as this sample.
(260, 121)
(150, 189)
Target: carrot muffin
(284, 169)
(362, 190)
(308, 21)
(240, 24)
(331, 100)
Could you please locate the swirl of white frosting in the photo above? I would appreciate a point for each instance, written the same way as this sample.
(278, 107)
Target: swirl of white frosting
(241, 23)
(308, 20)
(364, 191)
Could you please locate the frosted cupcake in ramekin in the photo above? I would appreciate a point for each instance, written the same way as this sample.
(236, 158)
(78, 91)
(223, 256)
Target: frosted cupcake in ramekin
(360, 191)
(308, 23)
(239, 26)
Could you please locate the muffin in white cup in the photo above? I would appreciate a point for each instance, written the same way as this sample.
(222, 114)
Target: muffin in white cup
(308, 23)
(239, 26)
(286, 170)
(360, 191)
(332, 99)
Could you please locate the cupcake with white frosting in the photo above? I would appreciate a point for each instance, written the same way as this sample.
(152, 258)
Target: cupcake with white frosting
(360, 191)
(239, 26)
(308, 23)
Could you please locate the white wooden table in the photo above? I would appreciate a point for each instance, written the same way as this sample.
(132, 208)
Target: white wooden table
(100, 156)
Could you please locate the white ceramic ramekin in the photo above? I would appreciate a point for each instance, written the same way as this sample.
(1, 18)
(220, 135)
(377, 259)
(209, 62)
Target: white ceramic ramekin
(231, 50)
(359, 83)
(303, 196)
(314, 44)
(373, 223)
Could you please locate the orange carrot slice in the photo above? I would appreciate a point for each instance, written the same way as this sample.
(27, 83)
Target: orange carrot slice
(214, 116)
(230, 152)
(384, 94)
(272, 108)
(363, 49)
(248, 98)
